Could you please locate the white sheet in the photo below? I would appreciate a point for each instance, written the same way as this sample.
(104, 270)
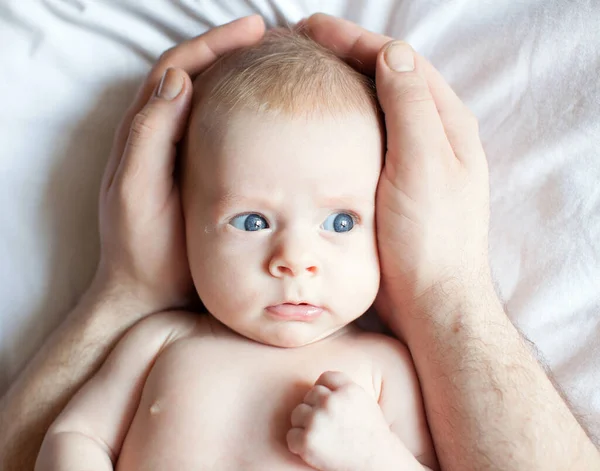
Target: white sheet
(529, 70)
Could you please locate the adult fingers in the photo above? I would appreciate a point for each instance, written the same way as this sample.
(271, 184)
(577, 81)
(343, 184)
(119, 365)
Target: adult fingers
(149, 153)
(349, 41)
(415, 133)
(193, 56)
(360, 48)
(415, 125)
(196, 54)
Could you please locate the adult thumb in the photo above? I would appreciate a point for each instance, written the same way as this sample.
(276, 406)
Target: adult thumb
(149, 152)
(414, 127)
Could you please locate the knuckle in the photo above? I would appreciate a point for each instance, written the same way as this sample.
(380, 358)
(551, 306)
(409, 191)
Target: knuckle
(166, 57)
(331, 403)
(299, 442)
(293, 439)
(317, 394)
(413, 89)
(329, 374)
(142, 126)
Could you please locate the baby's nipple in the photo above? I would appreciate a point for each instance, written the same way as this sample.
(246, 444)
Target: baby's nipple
(155, 407)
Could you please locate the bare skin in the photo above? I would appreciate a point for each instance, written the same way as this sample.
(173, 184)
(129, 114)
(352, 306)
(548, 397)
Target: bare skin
(200, 396)
(281, 392)
(489, 403)
(134, 279)
(524, 422)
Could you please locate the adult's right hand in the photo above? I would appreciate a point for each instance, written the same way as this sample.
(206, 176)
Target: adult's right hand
(143, 255)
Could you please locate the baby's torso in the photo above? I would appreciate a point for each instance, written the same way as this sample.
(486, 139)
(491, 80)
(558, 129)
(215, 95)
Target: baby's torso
(224, 402)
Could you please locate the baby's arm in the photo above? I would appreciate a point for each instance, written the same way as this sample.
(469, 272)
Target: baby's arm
(90, 431)
(401, 400)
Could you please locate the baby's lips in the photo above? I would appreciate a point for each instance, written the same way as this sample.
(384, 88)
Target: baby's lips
(291, 311)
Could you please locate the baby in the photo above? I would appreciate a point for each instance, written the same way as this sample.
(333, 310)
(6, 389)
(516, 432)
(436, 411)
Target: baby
(279, 170)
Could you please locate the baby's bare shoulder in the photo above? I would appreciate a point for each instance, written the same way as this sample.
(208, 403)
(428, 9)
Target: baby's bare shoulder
(391, 360)
(382, 347)
(173, 325)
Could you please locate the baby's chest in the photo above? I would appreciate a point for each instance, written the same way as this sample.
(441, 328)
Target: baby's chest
(232, 401)
(222, 379)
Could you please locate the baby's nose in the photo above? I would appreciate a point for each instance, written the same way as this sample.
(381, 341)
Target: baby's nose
(292, 270)
(293, 258)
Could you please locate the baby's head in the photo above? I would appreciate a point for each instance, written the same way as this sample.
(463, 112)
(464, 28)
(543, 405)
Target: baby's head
(279, 170)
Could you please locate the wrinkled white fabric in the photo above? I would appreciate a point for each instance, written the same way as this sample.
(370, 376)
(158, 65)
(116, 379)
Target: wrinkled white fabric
(529, 70)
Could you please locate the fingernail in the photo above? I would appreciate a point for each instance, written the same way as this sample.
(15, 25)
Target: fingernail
(170, 84)
(400, 57)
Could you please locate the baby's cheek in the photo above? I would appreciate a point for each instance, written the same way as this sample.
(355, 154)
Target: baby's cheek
(356, 281)
(227, 277)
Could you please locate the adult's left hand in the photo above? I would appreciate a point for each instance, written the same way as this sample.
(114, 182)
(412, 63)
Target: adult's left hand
(432, 206)
(489, 404)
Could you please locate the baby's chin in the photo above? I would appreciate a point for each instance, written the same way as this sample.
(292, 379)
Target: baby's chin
(289, 334)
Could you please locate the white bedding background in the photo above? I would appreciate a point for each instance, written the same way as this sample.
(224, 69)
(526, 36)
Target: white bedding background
(528, 69)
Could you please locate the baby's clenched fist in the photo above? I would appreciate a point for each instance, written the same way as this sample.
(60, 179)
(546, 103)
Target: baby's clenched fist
(338, 426)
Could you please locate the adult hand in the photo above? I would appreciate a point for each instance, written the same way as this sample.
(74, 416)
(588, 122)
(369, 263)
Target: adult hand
(143, 265)
(433, 196)
(489, 404)
(143, 254)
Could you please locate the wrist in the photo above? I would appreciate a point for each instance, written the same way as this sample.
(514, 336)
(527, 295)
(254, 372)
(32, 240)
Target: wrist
(110, 297)
(448, 304)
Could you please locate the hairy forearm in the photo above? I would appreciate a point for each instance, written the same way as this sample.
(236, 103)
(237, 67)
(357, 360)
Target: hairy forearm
(68, 358)
(489, 404)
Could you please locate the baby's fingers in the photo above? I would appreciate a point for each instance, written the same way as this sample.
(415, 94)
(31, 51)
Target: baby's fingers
(333, 380)
(317, 395)
(296, 440)
(302, 415)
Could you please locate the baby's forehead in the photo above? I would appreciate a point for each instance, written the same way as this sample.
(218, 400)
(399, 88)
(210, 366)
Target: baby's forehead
(248, 134)
(273, 153)
(293, 95)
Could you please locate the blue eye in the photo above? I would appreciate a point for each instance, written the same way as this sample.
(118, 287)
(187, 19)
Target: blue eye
(339, 222)
(249, 222)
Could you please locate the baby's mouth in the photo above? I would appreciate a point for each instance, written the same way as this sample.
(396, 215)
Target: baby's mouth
(295, 311)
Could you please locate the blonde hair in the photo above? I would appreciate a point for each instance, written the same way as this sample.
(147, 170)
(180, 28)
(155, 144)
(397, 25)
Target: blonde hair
(286, 72)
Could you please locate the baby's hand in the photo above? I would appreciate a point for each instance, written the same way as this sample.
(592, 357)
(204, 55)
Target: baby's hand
(339, 427)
